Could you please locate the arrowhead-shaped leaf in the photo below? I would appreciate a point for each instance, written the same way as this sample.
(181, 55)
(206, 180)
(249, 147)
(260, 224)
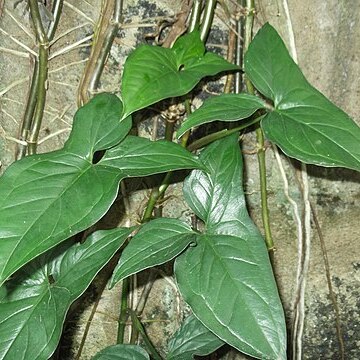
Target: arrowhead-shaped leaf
(122, 352)
(157, 242)
(227, 277)
(305, 124)
(33, 308)
(46, 198)
(193, 338)
(226, 107)
(154, 73)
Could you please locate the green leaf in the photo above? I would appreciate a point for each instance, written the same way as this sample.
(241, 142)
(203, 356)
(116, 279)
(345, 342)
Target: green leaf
(33, 309)
(137, 156)
(97, 126)
(193, 338)
(305, 124)
(226, 107)
(227, 277)
(157, 242)
(154, 73)
(46, 198)
(122, 352)
(188, 48)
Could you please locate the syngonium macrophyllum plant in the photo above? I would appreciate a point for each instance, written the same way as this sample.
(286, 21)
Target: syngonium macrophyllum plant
(223, 272)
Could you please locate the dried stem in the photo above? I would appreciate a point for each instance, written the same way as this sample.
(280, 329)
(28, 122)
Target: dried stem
(332, 295)
(40, 76)
(105, 33)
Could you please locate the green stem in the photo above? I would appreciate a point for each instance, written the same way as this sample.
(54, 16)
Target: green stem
(154, 196)
(33, 93)
(169, 130)
(56, 11)
(29, 112)
(149, 346)
(207, 19)
(263, 188)
(249, 20)
(198, 144)
(43, 71)
(158, 192)
(123, 313)
(195, 16)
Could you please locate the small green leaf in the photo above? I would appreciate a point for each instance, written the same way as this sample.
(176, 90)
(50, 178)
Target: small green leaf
(46, 198)
(226, 107)
(157, 242)
(122, 352)
(188, 48)
(227, 277)
(191, 339)
(97, 126)
(154, 73)
(305, 124)
(33, 309)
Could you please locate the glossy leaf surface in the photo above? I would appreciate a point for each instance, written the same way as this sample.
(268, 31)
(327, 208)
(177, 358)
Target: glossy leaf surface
(34, 303)
(46, 198)
(138, 156)
(157, 242)
(192, 338)
(226, 107)
(122, 352)
(227, 277)
(305, 124)
(154, 73)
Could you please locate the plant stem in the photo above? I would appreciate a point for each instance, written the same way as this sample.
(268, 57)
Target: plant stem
(169, 130)
(123, 313)
(332, 294)
(42, 76)
(198, 144)
(142, 302)
(207, 19)
(195, 15)
(149, 346)
(105, 32)
(154, 196)
(264, 204)
(33, 93)
(249, 20)
(29, 112)
(56, 11)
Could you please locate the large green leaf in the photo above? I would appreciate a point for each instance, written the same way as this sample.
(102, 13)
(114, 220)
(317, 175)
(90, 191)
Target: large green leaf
(122, 352)
(154, 73)
(157, 242)
(227, 277)
(33, 308)
(193, 338)
(46, 198)
(305, 124)
(138, 156)
(225, 107)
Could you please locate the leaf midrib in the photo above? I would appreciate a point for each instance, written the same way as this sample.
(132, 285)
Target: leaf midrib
(89, 166)
(224, 266)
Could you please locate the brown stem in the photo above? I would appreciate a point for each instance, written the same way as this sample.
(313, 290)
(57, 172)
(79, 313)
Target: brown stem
(106, 30)
(42, 76)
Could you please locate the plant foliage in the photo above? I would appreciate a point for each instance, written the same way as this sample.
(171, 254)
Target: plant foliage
(223, 272)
